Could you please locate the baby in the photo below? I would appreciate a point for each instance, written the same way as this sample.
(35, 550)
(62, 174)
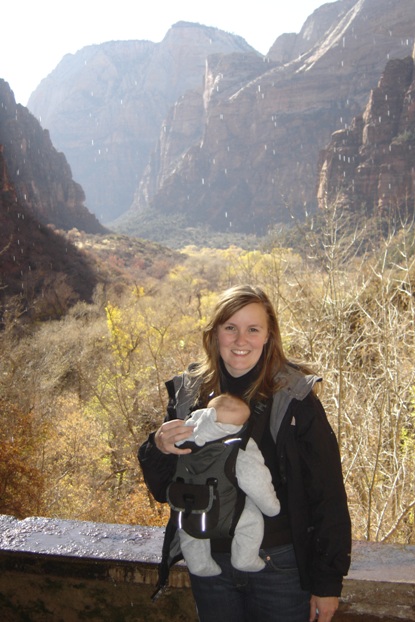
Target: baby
(225, 415)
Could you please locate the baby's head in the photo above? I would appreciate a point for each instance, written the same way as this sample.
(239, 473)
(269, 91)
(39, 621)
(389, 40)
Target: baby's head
(230, 409)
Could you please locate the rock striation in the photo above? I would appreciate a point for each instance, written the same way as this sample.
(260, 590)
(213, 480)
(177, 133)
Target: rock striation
(370, 167)
(41, 176)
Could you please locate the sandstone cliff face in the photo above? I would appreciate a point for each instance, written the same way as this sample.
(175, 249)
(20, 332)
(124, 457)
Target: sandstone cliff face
(104, 106)
(371, 166)
(256, 161)
(182, 131)
(202, 129)
(41, 176)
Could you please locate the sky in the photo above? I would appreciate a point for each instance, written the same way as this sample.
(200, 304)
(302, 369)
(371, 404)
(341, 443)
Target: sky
(36, 34)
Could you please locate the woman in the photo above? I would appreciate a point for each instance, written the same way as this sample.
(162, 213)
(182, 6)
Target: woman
(307, 546)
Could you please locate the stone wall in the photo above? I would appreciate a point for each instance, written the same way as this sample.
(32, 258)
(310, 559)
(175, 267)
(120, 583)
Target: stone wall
(66, 571)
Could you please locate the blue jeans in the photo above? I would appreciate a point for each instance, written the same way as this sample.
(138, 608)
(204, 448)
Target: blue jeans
(272, 594)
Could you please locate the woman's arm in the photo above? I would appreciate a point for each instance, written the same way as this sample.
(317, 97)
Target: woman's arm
(158, 456)
(328, 515)
(157, 467)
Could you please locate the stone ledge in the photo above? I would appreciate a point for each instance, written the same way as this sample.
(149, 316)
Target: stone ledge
(55, 569)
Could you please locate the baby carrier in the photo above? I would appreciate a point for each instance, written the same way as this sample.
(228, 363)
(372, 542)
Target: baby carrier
(204, 495)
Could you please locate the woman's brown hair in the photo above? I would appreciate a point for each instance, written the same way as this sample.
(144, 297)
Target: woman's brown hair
(274, 359)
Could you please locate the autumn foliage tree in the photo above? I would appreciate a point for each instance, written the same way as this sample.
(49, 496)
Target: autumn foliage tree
(21, 481)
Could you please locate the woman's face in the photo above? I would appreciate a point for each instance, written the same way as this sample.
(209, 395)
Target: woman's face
(242, 338)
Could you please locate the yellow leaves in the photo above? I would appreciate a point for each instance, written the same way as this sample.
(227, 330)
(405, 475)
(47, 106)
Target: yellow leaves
(407, 436)
(139, 291)
(139, 508)
(125, 332)
(21, 480)
(176, 274)
(114, 316)
(75, 458)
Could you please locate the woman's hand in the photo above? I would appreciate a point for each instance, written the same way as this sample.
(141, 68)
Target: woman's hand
(323, 608)
(170, 433)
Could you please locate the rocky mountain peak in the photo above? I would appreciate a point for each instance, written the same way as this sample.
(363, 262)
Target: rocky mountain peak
(291, 46)
(256, 163)
(104, 106)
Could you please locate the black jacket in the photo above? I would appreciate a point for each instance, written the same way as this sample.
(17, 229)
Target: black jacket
(307, 474)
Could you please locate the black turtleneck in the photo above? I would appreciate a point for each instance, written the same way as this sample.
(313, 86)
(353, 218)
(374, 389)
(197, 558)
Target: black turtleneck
(237, 385)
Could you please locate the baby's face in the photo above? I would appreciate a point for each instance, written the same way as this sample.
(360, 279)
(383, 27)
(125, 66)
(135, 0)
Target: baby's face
(237, 415)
